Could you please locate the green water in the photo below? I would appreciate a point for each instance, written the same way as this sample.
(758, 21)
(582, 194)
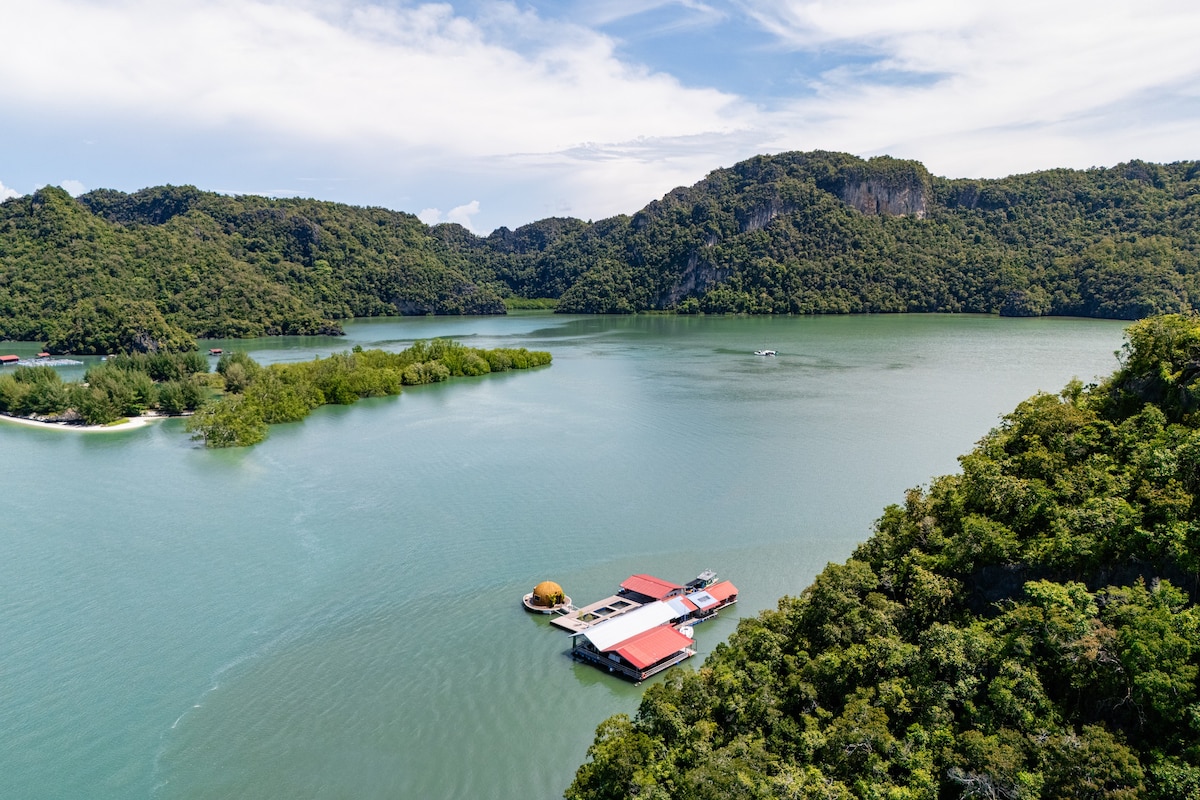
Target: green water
(335, 612)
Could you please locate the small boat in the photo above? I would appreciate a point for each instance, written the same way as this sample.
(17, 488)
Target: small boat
(764, 352)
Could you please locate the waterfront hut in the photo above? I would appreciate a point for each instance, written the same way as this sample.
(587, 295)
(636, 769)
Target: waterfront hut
(650, 652)
(647, 588)
(710, 600)
(635, 645)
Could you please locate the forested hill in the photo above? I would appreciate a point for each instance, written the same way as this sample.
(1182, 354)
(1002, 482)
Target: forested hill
(112, 271)
(1027, 628)
(792, 233)
(824, 232)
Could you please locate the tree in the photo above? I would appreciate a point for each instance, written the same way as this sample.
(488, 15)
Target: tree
(232, 421)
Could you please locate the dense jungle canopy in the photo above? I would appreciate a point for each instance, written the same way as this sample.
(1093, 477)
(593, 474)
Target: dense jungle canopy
(794, 233)
(1026, 628)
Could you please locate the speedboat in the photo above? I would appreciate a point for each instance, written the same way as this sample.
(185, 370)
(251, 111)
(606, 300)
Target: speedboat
(764, 352)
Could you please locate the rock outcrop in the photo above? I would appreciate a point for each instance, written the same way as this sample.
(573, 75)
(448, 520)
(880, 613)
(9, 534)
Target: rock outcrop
(881, 196)
(885, 185)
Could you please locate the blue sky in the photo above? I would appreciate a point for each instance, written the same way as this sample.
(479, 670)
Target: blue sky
(501, 113)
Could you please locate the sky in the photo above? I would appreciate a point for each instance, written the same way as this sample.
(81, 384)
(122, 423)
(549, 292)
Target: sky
(497, 114)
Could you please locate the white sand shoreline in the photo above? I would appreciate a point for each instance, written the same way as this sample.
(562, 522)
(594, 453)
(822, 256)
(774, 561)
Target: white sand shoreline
(128, 424)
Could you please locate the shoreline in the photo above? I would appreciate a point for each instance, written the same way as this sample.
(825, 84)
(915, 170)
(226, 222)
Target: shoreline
(129, 424)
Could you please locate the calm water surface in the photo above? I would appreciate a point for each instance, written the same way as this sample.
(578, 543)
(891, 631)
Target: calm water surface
(335, 612)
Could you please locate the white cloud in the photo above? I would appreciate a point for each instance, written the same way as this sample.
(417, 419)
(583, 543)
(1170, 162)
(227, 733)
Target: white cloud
(394, 79)
(386, 91)
(73, 188)
(689, 13)
(462, 214)
(7, 193)
(419, 103)
(989, 89)
(459, 214)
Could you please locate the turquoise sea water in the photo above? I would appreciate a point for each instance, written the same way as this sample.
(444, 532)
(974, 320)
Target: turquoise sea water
(335, 612)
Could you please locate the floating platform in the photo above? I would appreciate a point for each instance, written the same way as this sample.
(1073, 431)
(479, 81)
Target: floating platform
(47, 361)
(559, 608)
(580, 619)
(646, 627)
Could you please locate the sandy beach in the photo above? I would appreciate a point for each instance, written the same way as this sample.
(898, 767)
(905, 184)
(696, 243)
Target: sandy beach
(128, 424)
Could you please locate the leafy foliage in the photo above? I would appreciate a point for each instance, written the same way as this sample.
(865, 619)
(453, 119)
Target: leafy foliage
(122, 386)
(257, 396)
(1025, 628)
(112, 272)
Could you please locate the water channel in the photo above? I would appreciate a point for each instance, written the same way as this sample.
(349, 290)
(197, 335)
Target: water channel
(335, 612)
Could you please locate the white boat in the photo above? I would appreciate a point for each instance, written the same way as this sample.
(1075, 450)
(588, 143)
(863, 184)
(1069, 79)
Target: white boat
(764, 352)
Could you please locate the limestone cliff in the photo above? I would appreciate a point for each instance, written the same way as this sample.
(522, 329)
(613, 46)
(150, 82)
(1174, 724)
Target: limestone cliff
(885, 185)
(874, 196)
(697, 277)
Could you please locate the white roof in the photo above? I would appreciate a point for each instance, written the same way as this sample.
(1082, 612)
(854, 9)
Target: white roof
(681, 609)
(614, 631)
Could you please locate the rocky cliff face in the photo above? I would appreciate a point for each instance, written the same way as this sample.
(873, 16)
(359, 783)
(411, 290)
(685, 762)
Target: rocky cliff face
(886, 196)
(695, 280)
(883, 185)
(761, 216)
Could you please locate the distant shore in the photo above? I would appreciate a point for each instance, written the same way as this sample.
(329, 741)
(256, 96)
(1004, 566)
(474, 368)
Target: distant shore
(128, 424)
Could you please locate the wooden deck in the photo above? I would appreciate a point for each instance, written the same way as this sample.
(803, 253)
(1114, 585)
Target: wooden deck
(583, 618)
(599, 660)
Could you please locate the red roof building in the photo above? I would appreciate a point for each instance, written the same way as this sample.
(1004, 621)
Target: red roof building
(649, 648)
(724, 592)
(651, 587)
(9, 359)
(636, 644)
(711, 600)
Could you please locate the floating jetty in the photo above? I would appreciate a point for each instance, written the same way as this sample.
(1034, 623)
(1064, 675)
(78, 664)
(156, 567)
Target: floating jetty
(47, 361)
(647, 626)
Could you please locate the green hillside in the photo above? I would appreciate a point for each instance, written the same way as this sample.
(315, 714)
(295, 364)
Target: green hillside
(115, 271)
(1027, 628)
(795, 233)
(815, 233)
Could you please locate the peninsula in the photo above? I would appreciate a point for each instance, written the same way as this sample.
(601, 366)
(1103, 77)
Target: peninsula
(1028, 627)
(234, 406)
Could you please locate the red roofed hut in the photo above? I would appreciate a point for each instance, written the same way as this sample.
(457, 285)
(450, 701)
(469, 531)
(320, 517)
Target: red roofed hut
(645, 588)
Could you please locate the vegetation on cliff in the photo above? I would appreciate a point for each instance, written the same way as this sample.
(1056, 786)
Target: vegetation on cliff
(806, 233)
(1026, 628)
(795, 233)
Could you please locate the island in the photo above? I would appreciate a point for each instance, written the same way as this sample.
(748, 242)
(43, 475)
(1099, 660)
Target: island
(233, 406)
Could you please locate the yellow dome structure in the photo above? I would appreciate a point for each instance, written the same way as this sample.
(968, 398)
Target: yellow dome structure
(547, 594)
(546, 598)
